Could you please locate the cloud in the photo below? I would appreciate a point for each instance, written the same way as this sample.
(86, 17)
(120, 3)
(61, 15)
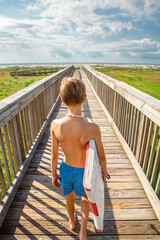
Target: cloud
(80, 30)
(78, 17)
(74, 9)
(143, 49)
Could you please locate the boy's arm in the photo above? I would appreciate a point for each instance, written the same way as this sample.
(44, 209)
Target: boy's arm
(54, 156)
(101, 153)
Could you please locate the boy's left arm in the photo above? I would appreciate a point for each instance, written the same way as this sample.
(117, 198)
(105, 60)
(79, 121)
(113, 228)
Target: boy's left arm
(54, 157)
(101, 153)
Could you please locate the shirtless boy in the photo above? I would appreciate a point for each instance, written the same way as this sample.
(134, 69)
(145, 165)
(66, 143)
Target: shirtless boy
(73, 132)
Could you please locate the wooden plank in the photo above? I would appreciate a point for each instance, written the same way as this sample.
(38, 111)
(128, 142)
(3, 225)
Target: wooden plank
(5, 159)
(38, 119)
(109, 203)
(136, 132)
(126, 116)
(17, 140)
(61, 214)
(61, 228)
(131, 126)
(134, 127)
(157, 190)
(4, 187)
(148, 146)
(119, 112)
(40, 110)
(0, 197)
(151, 158)
(42, 106)
(35, 117)
(108, 185)
(112, 171)
(122, 115)
(128, 122)
(144, 142)
(58, 193)
(70, 237)
(140, 136)
(27, 125)
(124, 119)
(9, 150)
(14, 148)
(115, 178)
(156, 163)
(24, 133)
(31, 113)
(20, 133)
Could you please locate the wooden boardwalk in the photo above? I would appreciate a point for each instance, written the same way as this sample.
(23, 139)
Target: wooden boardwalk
(38, 210)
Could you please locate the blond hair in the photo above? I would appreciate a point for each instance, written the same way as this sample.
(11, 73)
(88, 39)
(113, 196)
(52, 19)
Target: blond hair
(72, 91)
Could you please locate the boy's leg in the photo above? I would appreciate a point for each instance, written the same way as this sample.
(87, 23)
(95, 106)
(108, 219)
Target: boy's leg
(84, 217)
(71, 209)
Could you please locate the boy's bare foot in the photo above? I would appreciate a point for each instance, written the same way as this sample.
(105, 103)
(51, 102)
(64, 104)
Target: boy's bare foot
(82, 236)
(72, 226)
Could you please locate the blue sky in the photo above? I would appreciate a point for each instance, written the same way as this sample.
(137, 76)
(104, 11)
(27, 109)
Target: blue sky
(110, 31)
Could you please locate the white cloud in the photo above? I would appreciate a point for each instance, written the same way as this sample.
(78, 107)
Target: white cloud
(83, 10)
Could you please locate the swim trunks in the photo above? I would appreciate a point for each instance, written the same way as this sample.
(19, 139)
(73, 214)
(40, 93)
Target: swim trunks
(71, 179)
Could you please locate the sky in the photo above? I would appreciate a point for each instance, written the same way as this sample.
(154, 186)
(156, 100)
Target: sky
(68, 31)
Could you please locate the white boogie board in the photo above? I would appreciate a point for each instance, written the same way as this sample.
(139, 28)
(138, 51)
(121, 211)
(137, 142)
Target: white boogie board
(94, 185)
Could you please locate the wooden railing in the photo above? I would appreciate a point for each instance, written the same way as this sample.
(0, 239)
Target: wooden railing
(135, 117)
(23, 118)
(32, 72)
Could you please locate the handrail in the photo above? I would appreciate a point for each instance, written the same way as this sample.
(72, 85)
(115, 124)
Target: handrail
(23, 118)
(30, 72)
(135, 117)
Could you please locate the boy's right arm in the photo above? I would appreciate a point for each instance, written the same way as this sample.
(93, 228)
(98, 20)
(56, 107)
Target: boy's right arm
(54, 156)
(100, 150)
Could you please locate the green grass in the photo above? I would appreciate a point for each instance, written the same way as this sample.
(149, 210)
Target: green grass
(145, 79)
(10, 84)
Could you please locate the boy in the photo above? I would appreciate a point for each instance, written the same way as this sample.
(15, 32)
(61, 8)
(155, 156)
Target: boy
(73, 132)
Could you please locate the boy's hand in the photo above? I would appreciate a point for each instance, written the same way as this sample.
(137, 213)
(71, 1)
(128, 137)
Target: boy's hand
(104, 175)
(55, 181)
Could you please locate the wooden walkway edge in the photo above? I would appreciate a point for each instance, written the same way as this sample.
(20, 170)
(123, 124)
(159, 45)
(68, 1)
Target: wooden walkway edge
(38, 209)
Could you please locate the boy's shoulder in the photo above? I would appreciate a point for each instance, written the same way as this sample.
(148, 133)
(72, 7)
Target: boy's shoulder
(88, 126)
(93, 127)
(56, 122)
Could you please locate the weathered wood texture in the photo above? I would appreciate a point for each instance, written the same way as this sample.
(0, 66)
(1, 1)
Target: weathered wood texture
(33, 72)
(38, 210)
(23, 118)
(136, 116)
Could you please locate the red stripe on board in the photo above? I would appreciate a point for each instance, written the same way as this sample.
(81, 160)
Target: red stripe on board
(86, 165)
(94, 208)
(88, 190)
(98, 230)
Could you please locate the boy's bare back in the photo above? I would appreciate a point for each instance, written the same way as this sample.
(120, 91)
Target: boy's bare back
(73, 133)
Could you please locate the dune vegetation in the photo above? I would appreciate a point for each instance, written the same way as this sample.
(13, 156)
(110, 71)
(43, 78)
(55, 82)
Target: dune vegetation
(145, 79)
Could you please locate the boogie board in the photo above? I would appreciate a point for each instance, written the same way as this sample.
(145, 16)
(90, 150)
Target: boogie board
(94, 185)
